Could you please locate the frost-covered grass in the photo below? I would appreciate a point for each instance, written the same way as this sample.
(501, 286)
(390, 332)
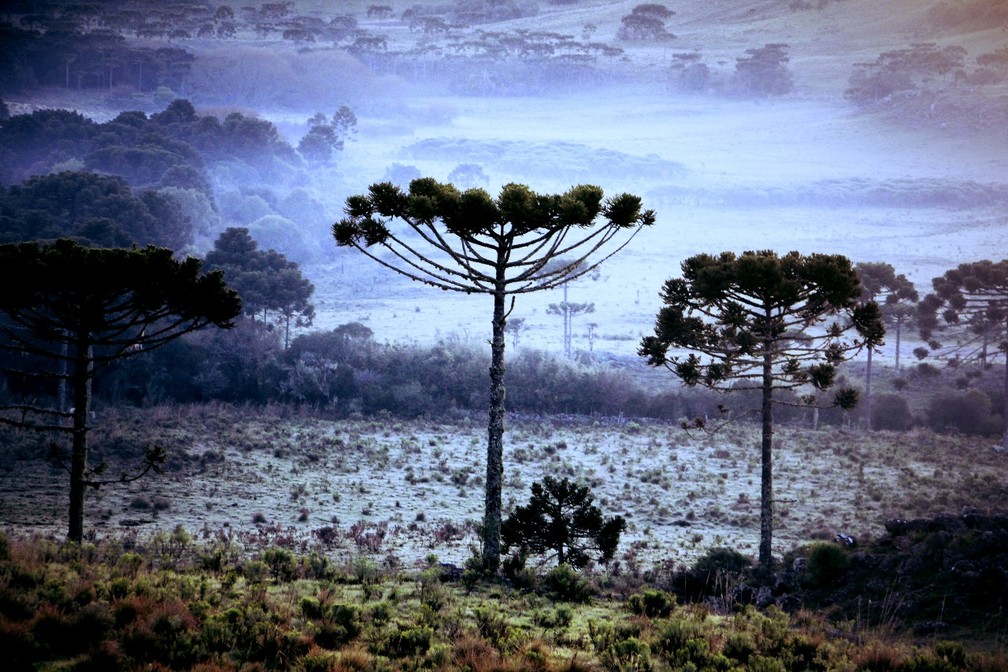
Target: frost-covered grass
(397, 490)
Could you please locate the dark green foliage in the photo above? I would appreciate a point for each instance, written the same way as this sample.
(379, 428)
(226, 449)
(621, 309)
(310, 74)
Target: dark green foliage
(967, 412)
(79, 309)
(560, 521)
(652, 603)
(827, 563)
(406, 642)
(171, 148)
(891, 411)
(714, 571)
(626, 655)
(280, 562)
(758, 321)
(99, 210)
(266, 280)
(566, 585)
(969, 307)
(518, 235)
(338, 625)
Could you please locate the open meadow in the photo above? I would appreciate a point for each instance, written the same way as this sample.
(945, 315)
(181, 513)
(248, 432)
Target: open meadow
(398, 490)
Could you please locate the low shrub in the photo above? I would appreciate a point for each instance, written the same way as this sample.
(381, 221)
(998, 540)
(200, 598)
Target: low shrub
(652, 603)
(566, 585)
(967, 412)
(827, 563)
(626, 655)
(406, 642)
(891, 412)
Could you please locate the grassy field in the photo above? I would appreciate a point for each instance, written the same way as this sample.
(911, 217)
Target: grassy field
(400, 490)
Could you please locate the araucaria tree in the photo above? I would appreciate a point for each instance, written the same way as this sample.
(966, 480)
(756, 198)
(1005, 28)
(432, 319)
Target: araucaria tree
(75, 309)
(561, 521)
(970, 306)
(898, 300)
(473, 243)
(759, 322)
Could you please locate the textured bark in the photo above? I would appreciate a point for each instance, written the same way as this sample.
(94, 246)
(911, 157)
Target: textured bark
(899, 334)
(867, 393)
(766, 456)
(495, 440)
(79, 453)
(1004, 393)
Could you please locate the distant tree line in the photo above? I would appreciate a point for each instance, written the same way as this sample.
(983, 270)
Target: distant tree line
(168, 148)
(58, 53)
(197, 173)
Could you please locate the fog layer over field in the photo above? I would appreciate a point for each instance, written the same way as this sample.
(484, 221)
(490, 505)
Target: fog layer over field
(722, 174)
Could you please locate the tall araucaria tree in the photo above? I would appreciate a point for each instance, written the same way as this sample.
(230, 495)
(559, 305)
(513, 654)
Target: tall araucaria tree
(969, 305)
(758, 322)
(79, 309)
(473, 243)
(897, 298)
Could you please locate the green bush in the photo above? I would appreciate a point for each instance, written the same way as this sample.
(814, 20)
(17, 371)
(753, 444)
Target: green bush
(566, 585)
(280, 562)
(827, 563)
(967, 412)
(407, 642)
(494, 627)
(626, 655)
(652, 603)
(890, 411)
(722, 561)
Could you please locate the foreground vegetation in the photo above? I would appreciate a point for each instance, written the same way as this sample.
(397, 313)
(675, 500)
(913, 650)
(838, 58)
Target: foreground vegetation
(173, 605)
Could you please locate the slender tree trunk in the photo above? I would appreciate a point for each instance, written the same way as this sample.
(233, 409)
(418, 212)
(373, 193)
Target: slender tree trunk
(766, 456)
(867, 393)
(79, 453)
(495, 439)
(62, 399)
(1004, 393)
(899, 330)
(566, 321)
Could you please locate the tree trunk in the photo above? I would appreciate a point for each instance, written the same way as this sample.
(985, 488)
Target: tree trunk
(495, 439)
(81, 379)
(899, 329)
(867, 393)
(766, 480)
(1004, 393)
(566, 321)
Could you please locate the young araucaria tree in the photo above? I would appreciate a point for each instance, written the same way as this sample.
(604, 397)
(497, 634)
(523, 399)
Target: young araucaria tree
(969, 306)
(473, 243)
(897, 299)
(759, 322)
(70, 310)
